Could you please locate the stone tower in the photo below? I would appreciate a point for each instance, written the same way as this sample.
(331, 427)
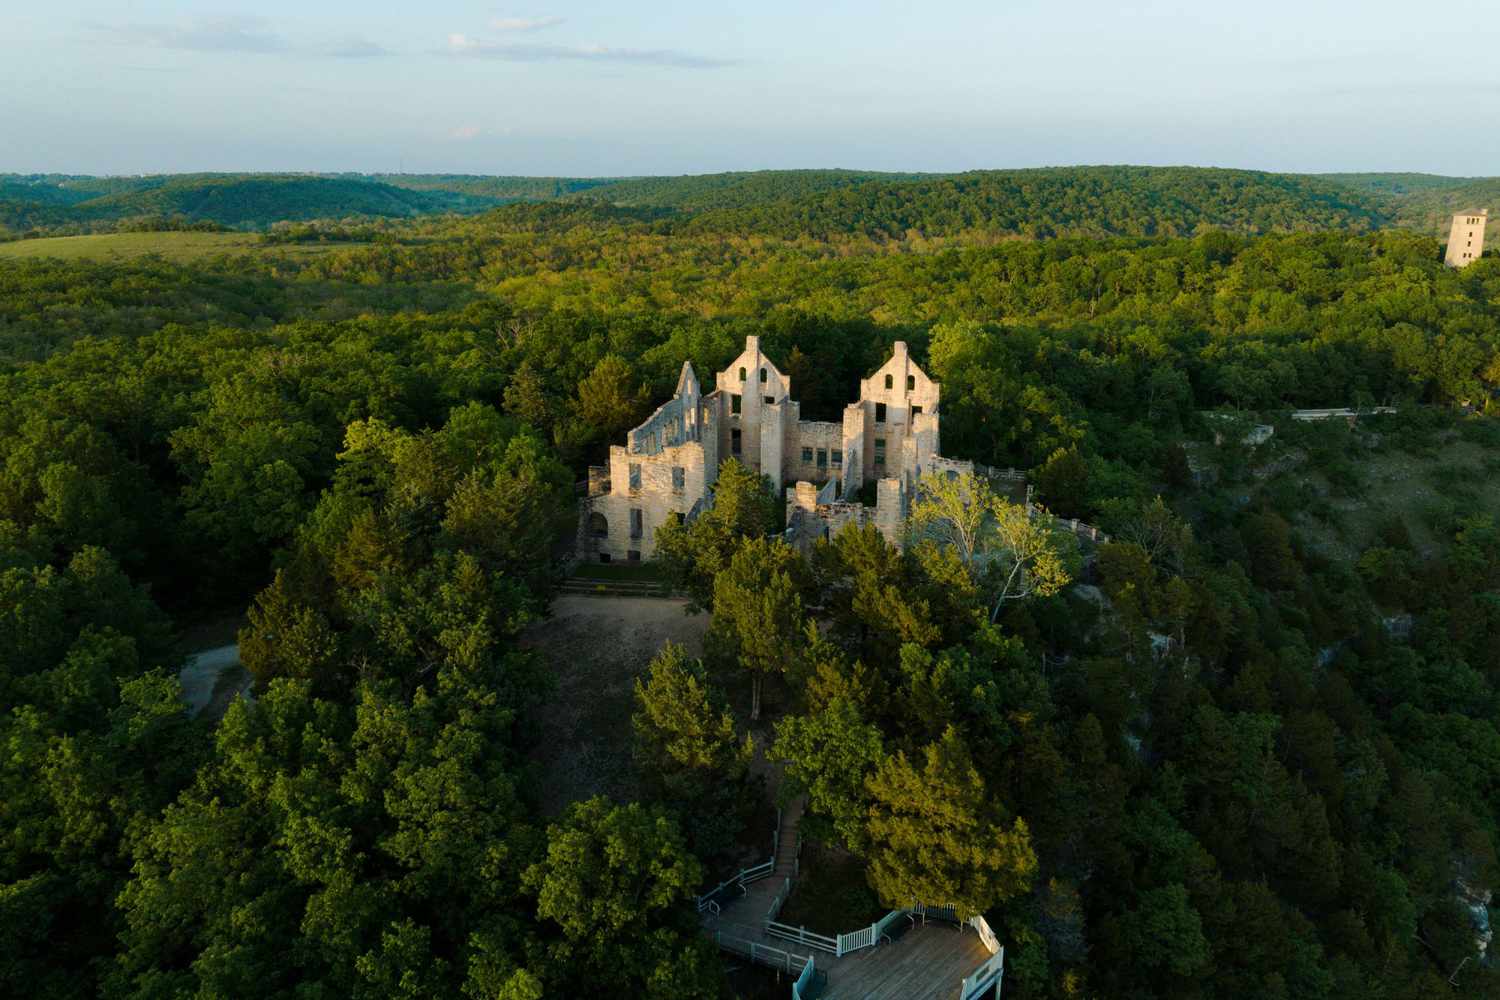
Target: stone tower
(1466, 238)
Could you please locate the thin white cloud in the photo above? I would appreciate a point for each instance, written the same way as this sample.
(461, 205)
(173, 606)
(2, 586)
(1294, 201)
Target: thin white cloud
(525, 23)
(478, 48)
(465, 132)
(358, 48)
(206, 34)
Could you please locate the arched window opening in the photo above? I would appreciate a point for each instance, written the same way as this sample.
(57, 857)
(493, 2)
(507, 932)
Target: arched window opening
(911, 383)
(742, 374)
(598, 525)
(762, 374)
(889, 381)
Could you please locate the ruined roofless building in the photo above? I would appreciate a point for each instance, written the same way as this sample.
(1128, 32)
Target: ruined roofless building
(668, 465)
(1466, 238)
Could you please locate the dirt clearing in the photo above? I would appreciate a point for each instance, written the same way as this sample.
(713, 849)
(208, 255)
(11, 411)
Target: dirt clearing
(597, 646)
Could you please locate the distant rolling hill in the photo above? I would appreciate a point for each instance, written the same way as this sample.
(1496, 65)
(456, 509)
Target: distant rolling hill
(245, 201)
(699, 192)
(820, 204)
(1063, 201)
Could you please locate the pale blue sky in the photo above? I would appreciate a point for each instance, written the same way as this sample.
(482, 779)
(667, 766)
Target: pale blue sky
(584, 87)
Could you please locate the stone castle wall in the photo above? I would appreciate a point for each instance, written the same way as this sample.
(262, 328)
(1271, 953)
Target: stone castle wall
(668, 465)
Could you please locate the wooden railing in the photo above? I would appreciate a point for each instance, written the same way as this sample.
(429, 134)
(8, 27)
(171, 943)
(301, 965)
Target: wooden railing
(869, 937)
(764, 954)
(744, 876)
(739, 880)
(802, 936)
(799, 988)
(779, 900)
(981, 979)
(986, 935)
(992, 970)
(949, 913)
(865, 937)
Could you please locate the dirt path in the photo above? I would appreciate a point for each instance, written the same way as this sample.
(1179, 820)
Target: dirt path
(597, 646)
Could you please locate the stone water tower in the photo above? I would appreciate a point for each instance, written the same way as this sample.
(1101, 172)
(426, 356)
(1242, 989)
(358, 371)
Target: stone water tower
(1466, 238)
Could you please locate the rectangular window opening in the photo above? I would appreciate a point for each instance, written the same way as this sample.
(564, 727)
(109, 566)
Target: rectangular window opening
(734, 440)
(734, 402)
(838, 458)
(679, 479)
(916, 411)
(769, 400)
(637, 523)
(880, 451)
(880, 413)
(635, 475)
(807, 456)
(822, 458)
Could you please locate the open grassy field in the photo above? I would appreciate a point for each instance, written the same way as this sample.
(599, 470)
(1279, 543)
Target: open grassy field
(174, 246)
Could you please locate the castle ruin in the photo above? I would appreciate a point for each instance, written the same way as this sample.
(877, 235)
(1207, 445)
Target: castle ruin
(667, 467)
(1466, 238)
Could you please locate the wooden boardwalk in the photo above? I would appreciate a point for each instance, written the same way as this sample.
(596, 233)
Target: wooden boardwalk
(928, 962)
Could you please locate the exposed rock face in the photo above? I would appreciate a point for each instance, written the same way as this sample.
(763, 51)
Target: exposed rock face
(1397, 626)
(1476, 899)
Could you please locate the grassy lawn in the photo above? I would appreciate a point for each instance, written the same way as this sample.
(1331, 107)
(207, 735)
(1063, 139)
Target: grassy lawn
(174, 246)
(832, 896)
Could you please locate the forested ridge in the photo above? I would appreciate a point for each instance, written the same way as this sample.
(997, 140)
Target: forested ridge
(235, 200)
(976, 206)
(1246, 748)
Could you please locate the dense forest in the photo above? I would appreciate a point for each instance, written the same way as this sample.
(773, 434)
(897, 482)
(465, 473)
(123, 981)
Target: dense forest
(69, 205)
(978, 206)
(1245, 748)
